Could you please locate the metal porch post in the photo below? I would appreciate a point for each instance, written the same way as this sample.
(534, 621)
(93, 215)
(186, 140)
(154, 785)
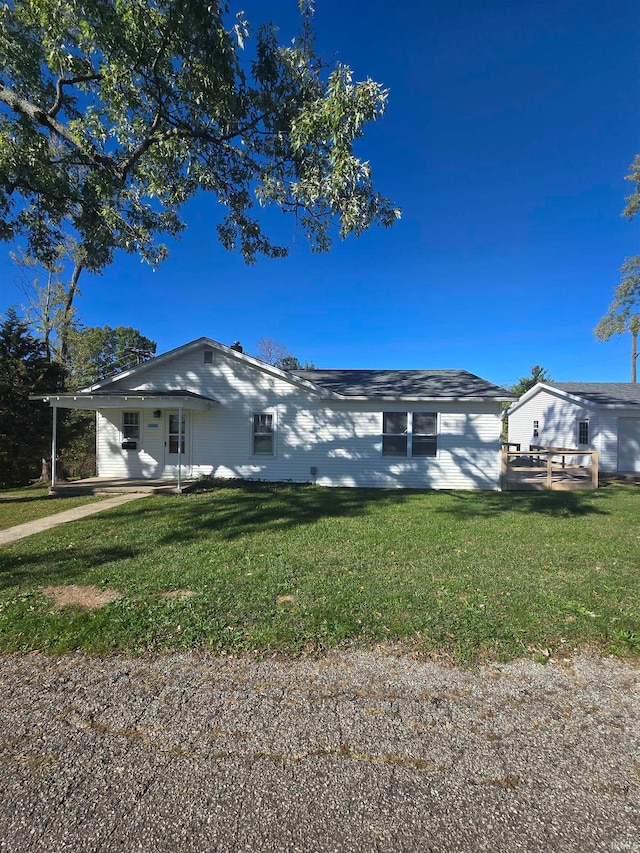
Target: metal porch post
(180, 448)
(53, 446)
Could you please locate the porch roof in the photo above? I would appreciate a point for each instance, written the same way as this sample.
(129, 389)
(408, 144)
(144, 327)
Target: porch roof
(141, 399)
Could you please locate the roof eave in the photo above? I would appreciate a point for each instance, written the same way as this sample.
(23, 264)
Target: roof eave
(91, 402)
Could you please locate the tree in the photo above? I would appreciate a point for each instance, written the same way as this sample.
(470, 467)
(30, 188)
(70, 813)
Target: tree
(277, 354)
(114, 114)
(50, 309)
(624, 312)
(25, 426)
(97, 351)
(538, 374)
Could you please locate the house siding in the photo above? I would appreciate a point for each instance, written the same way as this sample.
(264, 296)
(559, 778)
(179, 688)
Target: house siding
(558, 419)
(341, 439)
(558, 422)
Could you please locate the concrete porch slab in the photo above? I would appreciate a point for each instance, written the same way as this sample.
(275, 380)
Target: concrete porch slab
(120, 486)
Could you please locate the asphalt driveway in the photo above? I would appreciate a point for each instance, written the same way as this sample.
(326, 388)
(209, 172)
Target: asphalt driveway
(366, 751)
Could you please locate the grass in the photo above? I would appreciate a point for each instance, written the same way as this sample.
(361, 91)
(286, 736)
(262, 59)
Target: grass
(464, 575)
(20, 505)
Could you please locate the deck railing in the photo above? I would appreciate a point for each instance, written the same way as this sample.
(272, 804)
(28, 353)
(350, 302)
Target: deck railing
(542, 460)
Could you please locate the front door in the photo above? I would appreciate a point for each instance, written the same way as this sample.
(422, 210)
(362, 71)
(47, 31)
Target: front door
(177, 445)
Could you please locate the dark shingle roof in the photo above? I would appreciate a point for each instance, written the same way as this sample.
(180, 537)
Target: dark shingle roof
(411, 384)
(604, 393)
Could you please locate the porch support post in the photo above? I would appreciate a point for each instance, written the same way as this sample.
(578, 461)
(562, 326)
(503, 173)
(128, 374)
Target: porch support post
(179, 448)
(53, 446)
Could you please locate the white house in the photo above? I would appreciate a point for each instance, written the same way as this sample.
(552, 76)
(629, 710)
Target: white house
(602, 416)
(208, 409)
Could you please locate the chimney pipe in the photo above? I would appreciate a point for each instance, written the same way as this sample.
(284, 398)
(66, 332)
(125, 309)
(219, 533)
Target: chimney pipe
(236, 346)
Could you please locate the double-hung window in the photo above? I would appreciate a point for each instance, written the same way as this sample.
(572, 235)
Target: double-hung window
(583, 432)
(424, 434)
(263, 435)
(131, 425)
(409, 434)
(394, 433)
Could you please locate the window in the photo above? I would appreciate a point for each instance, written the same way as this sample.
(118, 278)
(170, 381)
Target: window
(583, 432)
(131, 424)
(409, 434)
(208, 356)
(263, 435)
(536, 429)
(424, 434)
(177, 431)
(394, 433)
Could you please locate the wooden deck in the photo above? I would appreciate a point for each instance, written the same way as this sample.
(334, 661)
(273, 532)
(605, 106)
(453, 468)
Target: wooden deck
(548, 468)
(115, 486)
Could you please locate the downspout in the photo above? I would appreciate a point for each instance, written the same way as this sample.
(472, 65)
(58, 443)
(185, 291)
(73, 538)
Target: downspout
(53, 446)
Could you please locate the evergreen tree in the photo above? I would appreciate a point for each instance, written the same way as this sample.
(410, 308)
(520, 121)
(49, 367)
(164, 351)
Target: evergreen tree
(25, 426)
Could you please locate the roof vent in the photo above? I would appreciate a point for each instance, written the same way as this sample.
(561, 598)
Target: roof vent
(236, 346)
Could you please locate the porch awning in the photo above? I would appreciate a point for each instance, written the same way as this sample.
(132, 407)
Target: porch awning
(150, 399)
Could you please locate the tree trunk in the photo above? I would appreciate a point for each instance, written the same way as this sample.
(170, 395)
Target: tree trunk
(634, 353)
(66, 317)
(45, 475)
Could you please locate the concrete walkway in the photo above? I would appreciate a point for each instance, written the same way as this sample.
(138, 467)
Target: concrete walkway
(20, 531)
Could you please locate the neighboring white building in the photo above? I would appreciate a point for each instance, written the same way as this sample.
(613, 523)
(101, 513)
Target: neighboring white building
(602, 416)
(209, 409)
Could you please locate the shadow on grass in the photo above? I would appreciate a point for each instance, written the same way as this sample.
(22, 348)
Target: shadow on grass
(225, 513)
(56, 566)
(10, 500)
(555, 504)
(244, 509)
(240, 510)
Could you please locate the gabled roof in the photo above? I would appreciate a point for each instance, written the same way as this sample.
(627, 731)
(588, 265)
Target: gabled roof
(135, 372)
(334, 384)
(407, 384)
(603, 393)
(610, 395)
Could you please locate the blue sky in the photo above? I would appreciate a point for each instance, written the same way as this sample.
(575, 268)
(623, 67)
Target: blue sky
(509, 131)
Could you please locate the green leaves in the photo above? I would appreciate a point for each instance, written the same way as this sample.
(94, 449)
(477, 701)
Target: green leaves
(113, 114)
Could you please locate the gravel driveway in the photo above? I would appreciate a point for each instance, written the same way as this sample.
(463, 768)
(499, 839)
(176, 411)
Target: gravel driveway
(366, 751)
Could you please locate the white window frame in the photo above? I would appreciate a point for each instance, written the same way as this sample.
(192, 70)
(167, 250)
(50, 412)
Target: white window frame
(536, 428)
(274, 432)
(125, 427)
(408, 434)
(404, 434)
(424, 435)
(584, 423)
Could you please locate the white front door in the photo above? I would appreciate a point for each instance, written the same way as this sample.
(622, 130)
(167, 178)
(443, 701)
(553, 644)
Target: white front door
(177, 444)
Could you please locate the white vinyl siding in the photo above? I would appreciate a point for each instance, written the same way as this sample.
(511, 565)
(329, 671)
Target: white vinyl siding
(557, 419)
(560, 420)
(341, 439)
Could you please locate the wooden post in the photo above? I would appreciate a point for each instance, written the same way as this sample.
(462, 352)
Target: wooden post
(549, 470)
(505, 482)
(594, 468)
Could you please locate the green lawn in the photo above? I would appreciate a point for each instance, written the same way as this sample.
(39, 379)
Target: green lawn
(20, 505)
(465, 575)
